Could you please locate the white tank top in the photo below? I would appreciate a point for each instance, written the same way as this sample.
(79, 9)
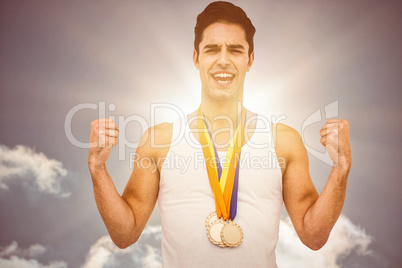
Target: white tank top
(186, 199)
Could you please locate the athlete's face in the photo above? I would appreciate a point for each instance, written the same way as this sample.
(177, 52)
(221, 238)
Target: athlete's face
(223, 60)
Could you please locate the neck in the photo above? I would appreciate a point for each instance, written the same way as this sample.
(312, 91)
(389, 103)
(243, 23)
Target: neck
(222, 114)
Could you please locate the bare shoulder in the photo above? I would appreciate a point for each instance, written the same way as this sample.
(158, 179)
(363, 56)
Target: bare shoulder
(157, 137)
(287, 141)
(285, 136)
(155, 143)
(162, 133)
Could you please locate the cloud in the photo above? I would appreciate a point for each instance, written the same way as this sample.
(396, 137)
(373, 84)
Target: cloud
(24, 165)
(14, 257)
(345, 238)
(145, 253)
(32, 251)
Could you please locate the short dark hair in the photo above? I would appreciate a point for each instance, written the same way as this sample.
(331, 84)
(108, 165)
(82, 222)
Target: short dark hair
(221, 11)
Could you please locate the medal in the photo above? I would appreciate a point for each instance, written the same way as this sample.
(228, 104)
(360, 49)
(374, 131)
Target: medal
(221, 229)
(231, 234)
(223, 233)
(214, 233)
(212, 218)
(214, 227)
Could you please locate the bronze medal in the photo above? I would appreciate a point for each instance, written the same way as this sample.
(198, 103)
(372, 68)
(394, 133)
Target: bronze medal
(231, 234)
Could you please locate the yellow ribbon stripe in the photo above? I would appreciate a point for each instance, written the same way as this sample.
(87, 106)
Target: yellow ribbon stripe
(223, 188)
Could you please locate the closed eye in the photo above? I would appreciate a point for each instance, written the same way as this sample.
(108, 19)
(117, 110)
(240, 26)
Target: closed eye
(236, 51)
(212, 50)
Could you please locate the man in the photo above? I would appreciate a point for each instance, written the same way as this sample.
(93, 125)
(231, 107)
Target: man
(246, 200)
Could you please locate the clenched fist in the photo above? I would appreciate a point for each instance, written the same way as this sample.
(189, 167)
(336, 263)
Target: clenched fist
(103, 137)
(335, 138)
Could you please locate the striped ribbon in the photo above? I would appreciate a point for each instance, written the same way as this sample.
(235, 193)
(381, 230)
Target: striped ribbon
(224, 181)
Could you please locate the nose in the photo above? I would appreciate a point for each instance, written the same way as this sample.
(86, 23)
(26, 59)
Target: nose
(223, 58)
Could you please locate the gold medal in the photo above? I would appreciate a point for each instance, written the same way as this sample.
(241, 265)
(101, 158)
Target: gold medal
(223, 233)
(231, 234)
(214, 232)
(212, 218)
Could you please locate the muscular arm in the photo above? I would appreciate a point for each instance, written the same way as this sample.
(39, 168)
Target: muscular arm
(312, 215)
(114, 210)
(126, 216)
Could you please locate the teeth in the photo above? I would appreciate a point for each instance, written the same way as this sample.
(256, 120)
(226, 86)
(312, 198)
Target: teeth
(223, 82)
(224, 75)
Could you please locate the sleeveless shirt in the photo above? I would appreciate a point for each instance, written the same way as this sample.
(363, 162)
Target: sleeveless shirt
(185, 200)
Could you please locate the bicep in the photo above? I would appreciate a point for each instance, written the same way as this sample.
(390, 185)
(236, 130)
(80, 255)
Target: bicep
(142, 189)
(299, 192)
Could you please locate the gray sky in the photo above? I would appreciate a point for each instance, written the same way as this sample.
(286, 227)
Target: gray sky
(59, 54)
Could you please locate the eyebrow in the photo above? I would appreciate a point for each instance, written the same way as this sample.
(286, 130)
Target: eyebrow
(212, 46)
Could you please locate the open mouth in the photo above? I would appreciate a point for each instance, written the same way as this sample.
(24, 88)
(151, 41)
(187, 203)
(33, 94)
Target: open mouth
(223, 79)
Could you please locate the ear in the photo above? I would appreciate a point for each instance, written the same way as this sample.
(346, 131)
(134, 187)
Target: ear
(250, 61)
(195, 58)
